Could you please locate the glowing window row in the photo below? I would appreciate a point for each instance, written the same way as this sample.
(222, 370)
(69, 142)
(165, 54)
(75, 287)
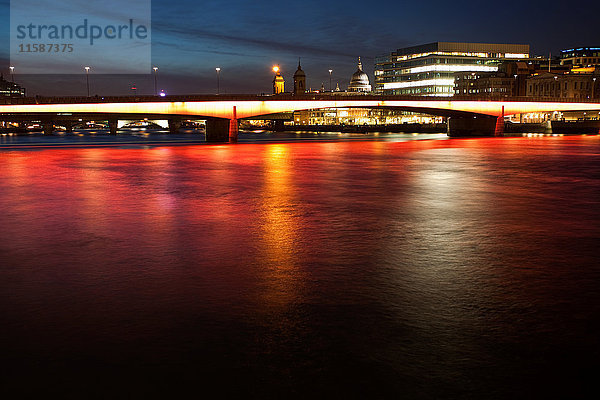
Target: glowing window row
(452, 68)
(464, 54)
(427, 82)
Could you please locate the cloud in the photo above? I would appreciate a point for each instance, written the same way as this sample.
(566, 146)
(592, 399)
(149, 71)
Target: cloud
(195, 49)
(192, 35)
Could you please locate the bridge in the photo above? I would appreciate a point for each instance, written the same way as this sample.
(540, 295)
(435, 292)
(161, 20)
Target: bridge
(222, 112)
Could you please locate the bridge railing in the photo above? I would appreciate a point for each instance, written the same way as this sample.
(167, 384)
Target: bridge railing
(279, 97)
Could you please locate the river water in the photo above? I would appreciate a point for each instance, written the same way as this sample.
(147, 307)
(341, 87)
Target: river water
(381, 268)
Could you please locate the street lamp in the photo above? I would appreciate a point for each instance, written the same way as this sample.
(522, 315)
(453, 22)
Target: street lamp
(330, 71)
(155, 86)
(593, 86)
(218, 69)
(87, 80)
(12, 74)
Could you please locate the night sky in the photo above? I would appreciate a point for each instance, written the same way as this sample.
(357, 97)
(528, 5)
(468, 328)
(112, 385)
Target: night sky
(245, 38)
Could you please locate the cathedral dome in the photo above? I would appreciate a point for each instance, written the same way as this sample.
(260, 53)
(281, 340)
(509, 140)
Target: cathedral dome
(359, 78)
(359, 81)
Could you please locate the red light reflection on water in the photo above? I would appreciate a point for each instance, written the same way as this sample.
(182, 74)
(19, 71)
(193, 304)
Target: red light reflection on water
(436, 251)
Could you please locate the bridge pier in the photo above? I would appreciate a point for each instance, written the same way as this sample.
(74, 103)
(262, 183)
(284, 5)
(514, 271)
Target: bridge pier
(472, 126)
(499, 131)
(277, 125)
(113, 125)
(217, 130)
(234, 127)
(48, 127)
(174, 125)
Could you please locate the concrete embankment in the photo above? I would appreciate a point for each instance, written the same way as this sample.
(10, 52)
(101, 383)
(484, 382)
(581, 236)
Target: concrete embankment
(584, 127)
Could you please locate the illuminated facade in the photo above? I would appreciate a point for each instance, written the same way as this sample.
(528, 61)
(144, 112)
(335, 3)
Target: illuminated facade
(278, 82)
(428, 70)
(10, 89)
(362, 116)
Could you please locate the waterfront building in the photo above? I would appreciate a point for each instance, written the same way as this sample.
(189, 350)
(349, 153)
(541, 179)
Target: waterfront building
(572, 85)
(278, 81)
(361, 116)
(508, 81)
(299, 80)
(10, 89)
(359, 81)
(428, 70)
(483, 84)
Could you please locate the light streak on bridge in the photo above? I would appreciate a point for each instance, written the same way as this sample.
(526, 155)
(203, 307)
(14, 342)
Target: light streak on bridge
(254, 108)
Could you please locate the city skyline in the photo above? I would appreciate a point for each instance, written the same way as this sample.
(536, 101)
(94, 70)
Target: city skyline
(246, 42)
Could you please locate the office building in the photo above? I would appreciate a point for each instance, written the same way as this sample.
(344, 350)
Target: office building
(580, 57)
(509, 81)
(428, 70)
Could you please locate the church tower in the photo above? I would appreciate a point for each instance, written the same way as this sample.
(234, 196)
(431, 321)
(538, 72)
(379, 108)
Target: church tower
(278, 81)
(299, 80)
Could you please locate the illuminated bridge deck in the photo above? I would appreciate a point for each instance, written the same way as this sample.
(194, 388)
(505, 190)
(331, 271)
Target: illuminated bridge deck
(221, 106)
(223, 112)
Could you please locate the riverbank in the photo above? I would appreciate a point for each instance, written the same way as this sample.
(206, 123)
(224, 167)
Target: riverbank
(162, 138)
